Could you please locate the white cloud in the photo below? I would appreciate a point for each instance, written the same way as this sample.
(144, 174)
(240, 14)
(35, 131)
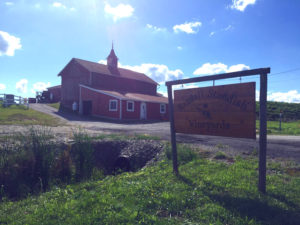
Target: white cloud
(208, 69)
(179, 48)
(2, 87)
(59, 5)
(8, 44)
(177, 87)
(155, 28)
(158, 72)
(21, 86)
(292, 96)
(241, 4)
(8, 3)
(256, 95)
(120, 11)
(229, 27)
(237, 67)
(40, 86)
(189, 28)
(72, 9)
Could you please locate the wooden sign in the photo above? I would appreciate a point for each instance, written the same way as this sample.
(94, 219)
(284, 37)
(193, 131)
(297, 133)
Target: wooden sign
(227, 110)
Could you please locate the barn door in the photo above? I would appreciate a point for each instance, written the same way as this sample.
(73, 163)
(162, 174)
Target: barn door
(87, 108)
(143, 111)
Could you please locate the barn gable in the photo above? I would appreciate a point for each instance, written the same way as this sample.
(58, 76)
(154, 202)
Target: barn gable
(98, 68)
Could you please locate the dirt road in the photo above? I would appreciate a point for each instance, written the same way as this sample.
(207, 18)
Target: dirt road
(285, 147)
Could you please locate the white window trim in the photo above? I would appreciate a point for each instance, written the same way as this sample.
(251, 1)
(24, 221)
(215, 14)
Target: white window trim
(130, 110)
(116, 109)
(164, 108)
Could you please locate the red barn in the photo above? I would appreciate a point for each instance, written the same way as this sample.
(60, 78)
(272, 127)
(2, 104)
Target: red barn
(111, 92)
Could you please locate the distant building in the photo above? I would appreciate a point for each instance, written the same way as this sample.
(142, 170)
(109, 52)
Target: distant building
(111, 92)
(54, 93)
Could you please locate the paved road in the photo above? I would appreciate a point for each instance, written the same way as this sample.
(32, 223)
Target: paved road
(287, 147)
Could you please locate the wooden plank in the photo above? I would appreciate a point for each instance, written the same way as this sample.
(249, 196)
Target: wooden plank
(220, 76)
(226, 110)
(172, 129)
(262, 133)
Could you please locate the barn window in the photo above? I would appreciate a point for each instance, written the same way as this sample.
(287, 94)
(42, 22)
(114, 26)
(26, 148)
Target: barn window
(162, 108)
(113, 105)
(130, 106)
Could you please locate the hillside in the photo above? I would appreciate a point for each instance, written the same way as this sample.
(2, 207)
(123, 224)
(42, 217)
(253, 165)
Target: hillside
(207, 192)
(211, 188)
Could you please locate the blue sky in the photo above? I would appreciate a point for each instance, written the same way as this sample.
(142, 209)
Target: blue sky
(165, 39)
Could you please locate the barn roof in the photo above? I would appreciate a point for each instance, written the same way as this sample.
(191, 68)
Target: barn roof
(104, 69)
(54, 87)
(158, 98)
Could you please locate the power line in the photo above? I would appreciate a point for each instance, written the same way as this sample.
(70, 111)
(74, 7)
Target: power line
(287, 71)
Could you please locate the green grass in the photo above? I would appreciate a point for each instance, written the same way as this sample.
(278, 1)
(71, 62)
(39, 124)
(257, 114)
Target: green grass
(20, 115)
(206, 192)
(55, 105)
(287, 128)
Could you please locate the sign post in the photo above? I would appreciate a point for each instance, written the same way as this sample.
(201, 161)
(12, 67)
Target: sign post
(200, 111)
(262, 133)
(172, 129)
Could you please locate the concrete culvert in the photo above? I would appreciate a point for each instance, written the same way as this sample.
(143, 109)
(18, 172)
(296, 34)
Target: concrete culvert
(122, 163)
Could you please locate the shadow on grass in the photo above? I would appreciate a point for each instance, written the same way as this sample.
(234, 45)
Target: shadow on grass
(258, 210)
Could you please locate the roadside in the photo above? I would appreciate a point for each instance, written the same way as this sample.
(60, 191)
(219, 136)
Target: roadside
(279, 147)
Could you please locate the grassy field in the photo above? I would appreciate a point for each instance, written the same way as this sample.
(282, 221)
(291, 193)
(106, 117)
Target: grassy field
(208, 191)
(20, 115)
(287, 128)
(55, 105)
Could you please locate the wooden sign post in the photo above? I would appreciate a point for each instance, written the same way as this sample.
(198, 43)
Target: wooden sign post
(227, 110)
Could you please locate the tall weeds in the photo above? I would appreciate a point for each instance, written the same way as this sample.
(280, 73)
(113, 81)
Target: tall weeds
(31, 162)
(25, 162)
(82, 153)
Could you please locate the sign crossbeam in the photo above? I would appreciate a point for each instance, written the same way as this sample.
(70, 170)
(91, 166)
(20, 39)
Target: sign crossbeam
(222, 76)
(263, 72)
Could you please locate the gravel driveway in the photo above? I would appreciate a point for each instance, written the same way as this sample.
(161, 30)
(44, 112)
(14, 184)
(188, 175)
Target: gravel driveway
(279, 147)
